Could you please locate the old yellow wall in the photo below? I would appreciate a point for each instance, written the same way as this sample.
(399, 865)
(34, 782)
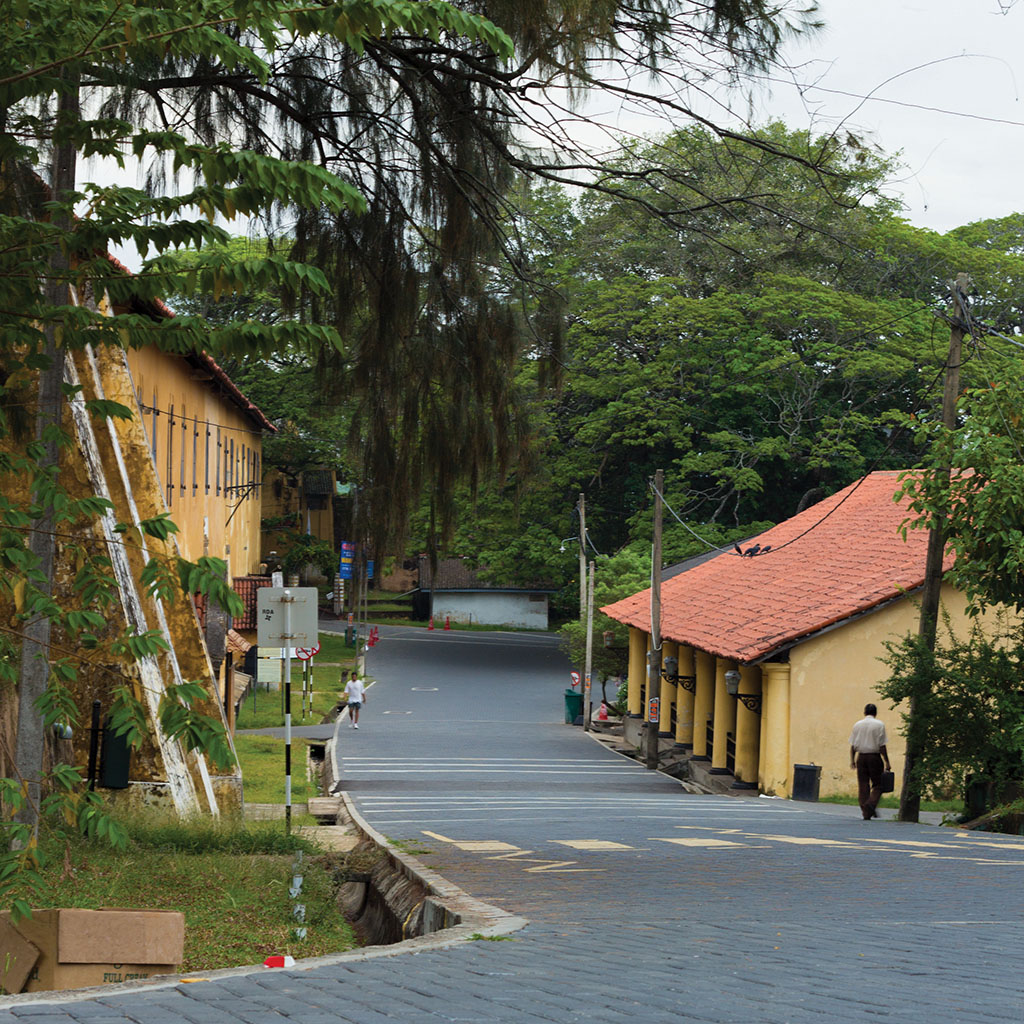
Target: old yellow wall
(834, 675)
(208, 456)
(283, 496)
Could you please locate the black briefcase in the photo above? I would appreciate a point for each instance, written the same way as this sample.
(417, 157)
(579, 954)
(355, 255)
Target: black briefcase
(888, 782)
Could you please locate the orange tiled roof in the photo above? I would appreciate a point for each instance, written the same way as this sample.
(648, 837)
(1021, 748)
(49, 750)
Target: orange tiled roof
(746, 608)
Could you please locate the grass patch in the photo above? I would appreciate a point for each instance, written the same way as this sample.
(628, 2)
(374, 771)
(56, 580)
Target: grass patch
(262, 761)
(268, 712)
(230, 879)
(941, 806)
(477, 937)
(409, 846)
(334, 649)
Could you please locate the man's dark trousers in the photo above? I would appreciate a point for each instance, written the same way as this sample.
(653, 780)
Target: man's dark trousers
(869, 782)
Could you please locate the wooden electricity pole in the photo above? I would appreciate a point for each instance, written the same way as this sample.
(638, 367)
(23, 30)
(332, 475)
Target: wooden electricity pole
(588, 668)
(583, 557)
(910, 796)
(654, 658)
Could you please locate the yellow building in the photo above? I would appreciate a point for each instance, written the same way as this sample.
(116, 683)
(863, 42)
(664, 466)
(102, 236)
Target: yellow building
(205, 437)
(778, 649)
(192, 448)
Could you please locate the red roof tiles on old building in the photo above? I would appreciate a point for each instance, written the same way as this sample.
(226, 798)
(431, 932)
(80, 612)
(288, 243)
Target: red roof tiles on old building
(747, 608)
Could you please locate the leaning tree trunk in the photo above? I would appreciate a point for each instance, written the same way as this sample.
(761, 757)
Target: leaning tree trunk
(35, 651)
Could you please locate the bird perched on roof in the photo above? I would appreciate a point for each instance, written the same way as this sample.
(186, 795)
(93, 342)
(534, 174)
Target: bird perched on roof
(750, 552)
(739, 550)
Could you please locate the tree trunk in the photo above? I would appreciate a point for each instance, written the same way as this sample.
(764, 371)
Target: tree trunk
(35, 661)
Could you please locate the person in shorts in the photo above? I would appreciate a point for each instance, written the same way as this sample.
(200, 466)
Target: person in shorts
(356, 699)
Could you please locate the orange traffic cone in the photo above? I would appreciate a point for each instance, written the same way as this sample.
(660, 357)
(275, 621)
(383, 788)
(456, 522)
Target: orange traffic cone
(430, 624)
(447, 622)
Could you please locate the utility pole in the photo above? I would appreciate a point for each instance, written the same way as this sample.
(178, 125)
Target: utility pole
(910, 797)
(590, 651)
(654, 658)
(583, 557)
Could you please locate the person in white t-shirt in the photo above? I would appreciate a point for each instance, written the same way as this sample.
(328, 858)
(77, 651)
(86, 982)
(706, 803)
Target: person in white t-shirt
(356, 699)
(867, 752)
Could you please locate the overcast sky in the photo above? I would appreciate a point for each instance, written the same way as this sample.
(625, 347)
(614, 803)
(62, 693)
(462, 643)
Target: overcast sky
(964, 155)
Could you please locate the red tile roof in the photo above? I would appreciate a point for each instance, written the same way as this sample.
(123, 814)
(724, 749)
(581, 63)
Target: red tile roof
(746, 608)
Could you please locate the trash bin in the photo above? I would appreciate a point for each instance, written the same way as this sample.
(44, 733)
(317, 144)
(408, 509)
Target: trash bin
(806, 781)
(573, 706)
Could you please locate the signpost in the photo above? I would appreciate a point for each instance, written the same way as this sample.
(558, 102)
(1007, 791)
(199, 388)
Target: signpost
(653, 710)
(575, 677)
(305, 655)
(287, 618)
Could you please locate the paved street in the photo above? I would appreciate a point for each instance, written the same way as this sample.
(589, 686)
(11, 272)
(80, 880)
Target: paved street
(644, 902)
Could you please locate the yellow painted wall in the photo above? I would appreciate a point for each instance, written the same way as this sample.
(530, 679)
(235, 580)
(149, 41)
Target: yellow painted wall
(834, 675)
(207, 453)
(283, 496)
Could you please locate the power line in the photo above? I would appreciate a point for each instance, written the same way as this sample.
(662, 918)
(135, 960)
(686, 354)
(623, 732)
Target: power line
(703, 540)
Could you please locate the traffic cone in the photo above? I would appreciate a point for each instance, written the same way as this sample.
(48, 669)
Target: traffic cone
(447, 622)
(430, 624)
(376, 635)
(602, 714)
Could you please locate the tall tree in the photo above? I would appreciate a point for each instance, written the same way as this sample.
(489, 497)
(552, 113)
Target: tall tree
(56, 58)
(435, 131)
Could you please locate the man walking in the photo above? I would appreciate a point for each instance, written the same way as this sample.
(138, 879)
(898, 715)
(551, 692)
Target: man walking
(867, 752)
(356, 698)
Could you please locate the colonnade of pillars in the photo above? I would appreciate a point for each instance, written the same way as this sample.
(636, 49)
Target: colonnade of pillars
(746, 735)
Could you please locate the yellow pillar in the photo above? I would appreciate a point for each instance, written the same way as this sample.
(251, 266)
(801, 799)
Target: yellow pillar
(669, 649)
(724, 720)
(763, 746)
(703, 704)
(684, 697)
(637, 668)
(748, 727)
(775, 681)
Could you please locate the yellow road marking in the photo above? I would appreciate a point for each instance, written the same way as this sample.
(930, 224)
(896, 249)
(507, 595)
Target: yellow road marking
(561, 867)
(914, 842)
(799, 840)
(694, 841)
(592, 844)
(474, 845)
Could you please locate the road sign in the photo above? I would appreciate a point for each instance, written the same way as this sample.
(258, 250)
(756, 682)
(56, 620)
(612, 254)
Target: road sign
(653, 709)
(305, 653)
(296, 604)
(575, 677)
(348, 555)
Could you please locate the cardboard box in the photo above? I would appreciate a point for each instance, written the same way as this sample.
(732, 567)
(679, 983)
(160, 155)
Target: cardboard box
(78, 948)
(17, 958)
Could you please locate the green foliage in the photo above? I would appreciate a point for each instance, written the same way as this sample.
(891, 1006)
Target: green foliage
(305, 549)
(983, 501)
(969, 708)
(181, 721)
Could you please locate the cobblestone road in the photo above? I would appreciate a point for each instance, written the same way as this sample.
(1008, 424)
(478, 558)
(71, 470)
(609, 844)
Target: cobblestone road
(644, 902)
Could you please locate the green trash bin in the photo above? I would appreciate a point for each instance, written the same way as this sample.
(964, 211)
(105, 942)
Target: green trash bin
(573, 706)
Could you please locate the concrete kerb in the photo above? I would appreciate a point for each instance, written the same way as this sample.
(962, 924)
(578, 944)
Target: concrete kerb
(605, 741)
(474, 919)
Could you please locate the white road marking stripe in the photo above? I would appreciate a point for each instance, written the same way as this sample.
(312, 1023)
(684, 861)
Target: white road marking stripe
(491, 760)
(592, 844)
(469, 770)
